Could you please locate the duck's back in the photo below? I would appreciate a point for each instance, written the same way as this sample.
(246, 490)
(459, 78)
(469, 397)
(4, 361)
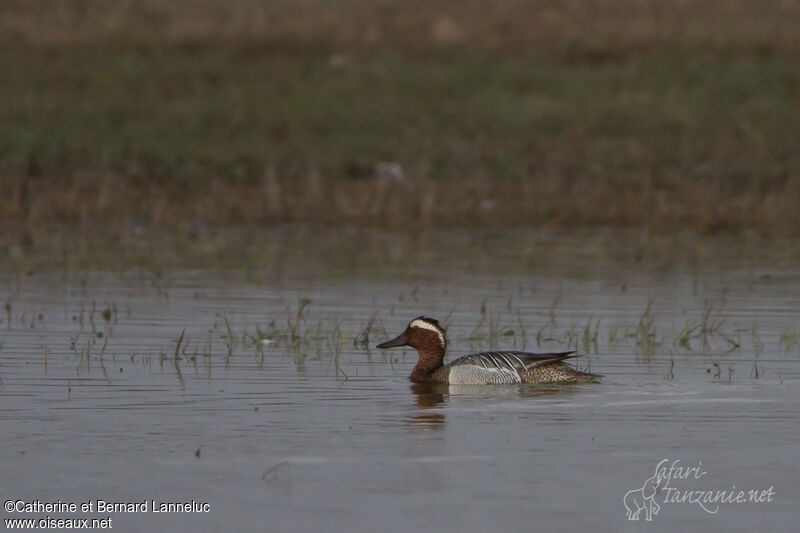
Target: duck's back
(505, 367)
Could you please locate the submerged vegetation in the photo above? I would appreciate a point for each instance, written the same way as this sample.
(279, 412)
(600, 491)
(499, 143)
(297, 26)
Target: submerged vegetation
(184, 114)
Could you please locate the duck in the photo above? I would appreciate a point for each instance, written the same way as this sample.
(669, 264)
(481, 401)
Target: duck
(486, 368)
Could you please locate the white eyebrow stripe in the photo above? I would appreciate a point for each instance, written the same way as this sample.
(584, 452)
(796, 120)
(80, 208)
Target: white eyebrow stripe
(422, 324)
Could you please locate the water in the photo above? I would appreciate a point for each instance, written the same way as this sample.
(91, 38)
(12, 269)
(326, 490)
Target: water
(324, 432)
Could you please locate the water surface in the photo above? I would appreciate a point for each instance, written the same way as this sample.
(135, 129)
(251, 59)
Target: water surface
(276, 409)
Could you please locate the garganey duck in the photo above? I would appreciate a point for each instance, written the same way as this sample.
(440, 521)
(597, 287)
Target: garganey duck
(428, 338)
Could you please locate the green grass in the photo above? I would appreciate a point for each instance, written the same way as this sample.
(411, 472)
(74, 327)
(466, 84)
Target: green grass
(183, 116)
(562, 115)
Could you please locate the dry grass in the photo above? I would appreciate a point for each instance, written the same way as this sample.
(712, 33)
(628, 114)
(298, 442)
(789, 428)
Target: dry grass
(592, 29)
(117, 207)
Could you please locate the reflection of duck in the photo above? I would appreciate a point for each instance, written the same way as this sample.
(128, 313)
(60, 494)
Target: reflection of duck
(428, 338)
(429, 395)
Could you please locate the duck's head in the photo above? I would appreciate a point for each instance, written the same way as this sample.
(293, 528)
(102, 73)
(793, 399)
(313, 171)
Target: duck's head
(424, 334)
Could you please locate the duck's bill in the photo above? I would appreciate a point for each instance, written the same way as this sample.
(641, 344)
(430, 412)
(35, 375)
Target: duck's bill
(400, 340)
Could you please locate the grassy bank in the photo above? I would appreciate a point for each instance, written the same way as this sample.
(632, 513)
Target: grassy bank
(172, 113)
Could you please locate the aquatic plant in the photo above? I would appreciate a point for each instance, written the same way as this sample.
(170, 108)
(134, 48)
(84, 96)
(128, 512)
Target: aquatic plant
(790, 338)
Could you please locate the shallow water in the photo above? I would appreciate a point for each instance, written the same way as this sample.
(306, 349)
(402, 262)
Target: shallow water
(315, 429)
